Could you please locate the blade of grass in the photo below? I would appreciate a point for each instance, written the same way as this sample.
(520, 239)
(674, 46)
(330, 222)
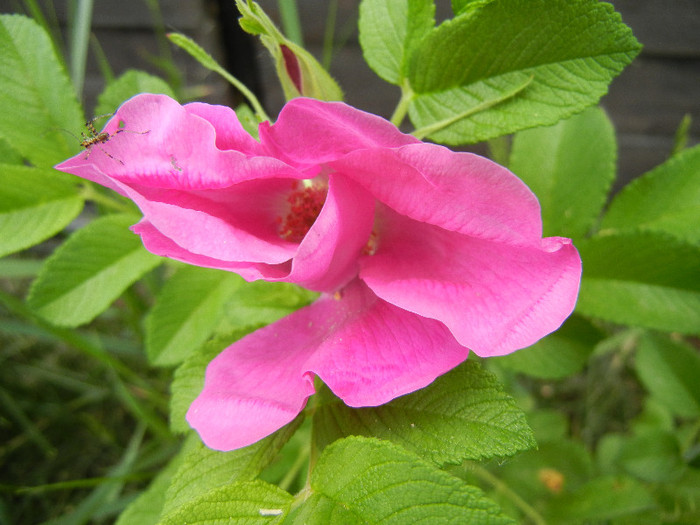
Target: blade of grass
(291, 25)
(79, 39)
(26, 424)
(117, 368)
(329, 34)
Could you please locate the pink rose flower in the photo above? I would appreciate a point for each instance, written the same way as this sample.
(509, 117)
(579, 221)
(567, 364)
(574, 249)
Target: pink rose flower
(421, 254)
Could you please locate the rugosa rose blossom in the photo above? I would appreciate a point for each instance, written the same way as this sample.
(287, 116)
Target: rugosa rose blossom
(421, 254)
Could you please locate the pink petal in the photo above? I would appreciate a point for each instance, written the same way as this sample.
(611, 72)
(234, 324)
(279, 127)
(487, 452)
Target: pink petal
(309, 132)
(230, 134)
(168, 146)
(327, 257)
(367, 351)
(230, 224)
(377, 352)
(494, 297)
(460, 192)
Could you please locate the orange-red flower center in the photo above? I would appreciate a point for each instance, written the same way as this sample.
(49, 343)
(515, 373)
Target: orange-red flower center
(304, 206)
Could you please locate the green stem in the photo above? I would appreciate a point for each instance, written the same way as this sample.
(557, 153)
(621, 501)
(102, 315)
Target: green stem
(402, 107)
(504, 489)
(80, 36)
(293, 472)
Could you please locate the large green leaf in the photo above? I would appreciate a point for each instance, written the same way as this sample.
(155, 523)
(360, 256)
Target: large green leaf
(515, 64)
(670, 371)
(643, 279)
(244, 503)
(361, 480)
(186, 311)
(38, 107)
(390, 30)
(667, 199)
(570, 166)
(35, 204)
(203, 470)
(126, 86)
(464, 414)
(89, 271)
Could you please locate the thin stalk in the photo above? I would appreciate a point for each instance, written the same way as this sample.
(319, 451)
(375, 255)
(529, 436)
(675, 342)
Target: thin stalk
(291, 25)
(79, 39)
(293, 472)
(402, 107)
(329, 33)
(504, 489)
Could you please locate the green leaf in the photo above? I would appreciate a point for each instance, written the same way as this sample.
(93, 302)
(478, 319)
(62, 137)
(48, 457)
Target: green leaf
(260, 303)
(361, 480)
(667, 199)
(642, 279)
(203, 470)
(8, 154)
(249, 503)
(89, 271)
(462, 6)
(603, 498)
(653, 456)
(561, 354)
(389, 32)
(570, 167)
(298, 71)
(38, 108)
(126, 86)
(570, 49)
(187, 310)
(670, 370)
(464, 414)
(35, 204)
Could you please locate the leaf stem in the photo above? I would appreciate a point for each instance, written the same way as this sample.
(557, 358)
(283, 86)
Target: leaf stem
(504, 489)
(402, 107)
(204, 58)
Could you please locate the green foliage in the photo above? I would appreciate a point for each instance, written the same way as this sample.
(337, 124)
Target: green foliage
(387, 49)
(667, 200)
(463, 415)
(362, 480)
(35, 204)
(38, 105)
(559, 355)
(177, 325)
(553, 161)
(614, 410)
(642, 279)
(298, 71)
(570, 50)
(126, 86)
(89, 271)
